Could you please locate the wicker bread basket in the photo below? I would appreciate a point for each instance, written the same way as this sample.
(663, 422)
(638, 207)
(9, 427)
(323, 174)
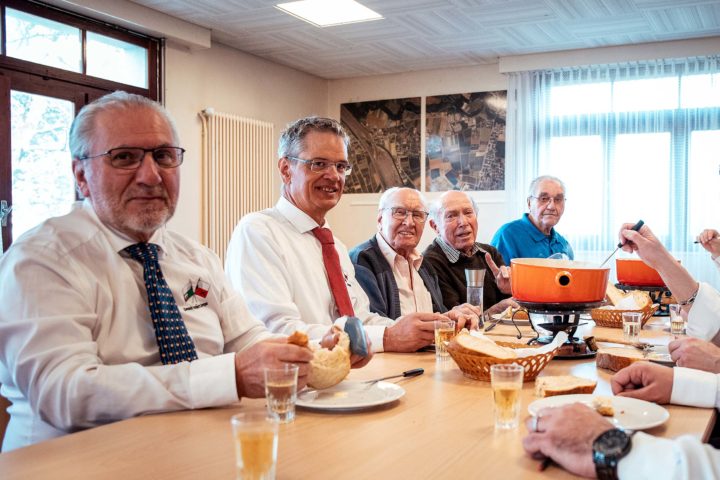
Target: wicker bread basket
(613, 318)
(478, 366)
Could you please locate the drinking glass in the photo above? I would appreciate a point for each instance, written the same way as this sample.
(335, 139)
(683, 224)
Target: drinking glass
(631, 326)
(506, 381)
(281, 391)
(444, 332)
(677, 322)
(475, 280)
(256, 441)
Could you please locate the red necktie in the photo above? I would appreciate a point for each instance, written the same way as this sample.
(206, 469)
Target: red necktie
(334, 273)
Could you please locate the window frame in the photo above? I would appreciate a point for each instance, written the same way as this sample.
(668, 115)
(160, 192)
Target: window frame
(153, 45)
(608, 125)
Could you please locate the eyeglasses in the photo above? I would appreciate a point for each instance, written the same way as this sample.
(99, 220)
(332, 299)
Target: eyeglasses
(319, 165)
(400, 213)
(130, 158)
(545, 199)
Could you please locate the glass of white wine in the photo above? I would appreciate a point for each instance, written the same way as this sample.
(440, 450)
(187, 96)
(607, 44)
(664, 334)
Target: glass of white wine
(506, 381)
(632, 323)
(444, 332)
(256, 444)
(677, 321)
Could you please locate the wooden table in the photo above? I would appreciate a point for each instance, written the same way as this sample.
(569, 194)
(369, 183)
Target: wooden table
(441, 428)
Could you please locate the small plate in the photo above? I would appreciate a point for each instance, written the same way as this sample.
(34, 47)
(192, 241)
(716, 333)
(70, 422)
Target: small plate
(630, 413)
(520, 322)
(350, 395)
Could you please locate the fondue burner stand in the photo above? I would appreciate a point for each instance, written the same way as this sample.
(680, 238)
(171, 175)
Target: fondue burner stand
(657, 294)
(560, 317)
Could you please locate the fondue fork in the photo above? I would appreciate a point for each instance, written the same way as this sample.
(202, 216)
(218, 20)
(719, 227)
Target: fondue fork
(635, 227)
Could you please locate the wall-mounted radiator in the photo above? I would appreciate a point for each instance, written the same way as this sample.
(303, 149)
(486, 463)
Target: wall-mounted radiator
(238, 164)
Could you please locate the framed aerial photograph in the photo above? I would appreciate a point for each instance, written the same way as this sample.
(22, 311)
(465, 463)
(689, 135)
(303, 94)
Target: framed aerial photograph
(465, 141)
(384, 144)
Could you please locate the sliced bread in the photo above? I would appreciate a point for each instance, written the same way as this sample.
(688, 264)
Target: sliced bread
(481, 345)
(563, 385)
(617, 358)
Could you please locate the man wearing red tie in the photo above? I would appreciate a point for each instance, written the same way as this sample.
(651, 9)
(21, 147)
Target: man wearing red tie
(293, 273)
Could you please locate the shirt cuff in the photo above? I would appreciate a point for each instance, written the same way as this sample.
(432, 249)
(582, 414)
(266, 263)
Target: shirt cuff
(636, 464)
(703, 316)
(212, 381)
(694, 388)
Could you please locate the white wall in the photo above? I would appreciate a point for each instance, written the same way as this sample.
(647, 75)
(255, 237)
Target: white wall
(354, 220)
(231, 82)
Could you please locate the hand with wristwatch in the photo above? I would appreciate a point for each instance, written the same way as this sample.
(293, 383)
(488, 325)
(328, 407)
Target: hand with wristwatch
(578, 439)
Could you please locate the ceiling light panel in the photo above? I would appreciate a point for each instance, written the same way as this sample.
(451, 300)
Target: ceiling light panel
(328, 13)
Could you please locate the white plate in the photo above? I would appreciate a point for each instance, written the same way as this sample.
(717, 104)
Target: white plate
(520, 322)
(630, 413)
(349, 395)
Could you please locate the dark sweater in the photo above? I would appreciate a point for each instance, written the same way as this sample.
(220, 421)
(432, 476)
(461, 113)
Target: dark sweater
(452, 275)
(376, 277)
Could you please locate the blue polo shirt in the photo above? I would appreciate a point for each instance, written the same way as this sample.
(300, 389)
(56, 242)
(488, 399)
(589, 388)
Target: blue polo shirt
(521, 239)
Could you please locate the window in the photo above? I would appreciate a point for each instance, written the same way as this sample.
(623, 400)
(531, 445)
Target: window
(630, 142)
(52, 63)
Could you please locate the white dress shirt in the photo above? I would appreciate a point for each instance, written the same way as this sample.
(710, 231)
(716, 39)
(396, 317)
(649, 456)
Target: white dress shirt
(684, 457)
(276, 263)
(77, 345)
(414, 295)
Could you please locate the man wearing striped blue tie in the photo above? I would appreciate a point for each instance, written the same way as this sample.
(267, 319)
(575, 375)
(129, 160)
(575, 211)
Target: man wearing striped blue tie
(106, 313)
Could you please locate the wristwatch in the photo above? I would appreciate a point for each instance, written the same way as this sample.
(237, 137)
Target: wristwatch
(608, 449)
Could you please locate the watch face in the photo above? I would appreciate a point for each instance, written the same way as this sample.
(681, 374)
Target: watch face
(612, 443)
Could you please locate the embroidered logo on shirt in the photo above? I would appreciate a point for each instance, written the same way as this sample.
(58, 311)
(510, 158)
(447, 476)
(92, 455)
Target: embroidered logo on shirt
(195, 294)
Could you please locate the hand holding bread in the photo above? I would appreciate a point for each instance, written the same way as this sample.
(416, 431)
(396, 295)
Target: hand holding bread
(275, 352)
(329, 366)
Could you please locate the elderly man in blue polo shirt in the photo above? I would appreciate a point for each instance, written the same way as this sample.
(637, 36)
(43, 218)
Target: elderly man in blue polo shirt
(534, 235)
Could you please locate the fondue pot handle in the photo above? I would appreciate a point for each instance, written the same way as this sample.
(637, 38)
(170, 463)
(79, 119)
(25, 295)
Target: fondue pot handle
(563, 278)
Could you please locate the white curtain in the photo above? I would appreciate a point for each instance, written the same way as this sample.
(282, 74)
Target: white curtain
(631, 141)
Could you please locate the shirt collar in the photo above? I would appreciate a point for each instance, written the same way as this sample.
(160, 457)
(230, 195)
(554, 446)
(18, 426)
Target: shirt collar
(453, 254)
(300, 220)
(118, 240)
(415, 257)
(535, 232)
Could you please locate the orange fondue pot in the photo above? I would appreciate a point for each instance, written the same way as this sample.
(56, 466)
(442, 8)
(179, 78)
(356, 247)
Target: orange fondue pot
(543, 280)
(633, 271)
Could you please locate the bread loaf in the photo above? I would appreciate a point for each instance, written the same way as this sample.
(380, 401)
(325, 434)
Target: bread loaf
(563, 385)
(614, 294)
(481, 345)
(617, 358)
(634, 300)
(328, 367)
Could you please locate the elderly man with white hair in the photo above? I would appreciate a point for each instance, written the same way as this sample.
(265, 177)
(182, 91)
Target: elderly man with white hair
(390, 268)
(454, 217)
(534, 235)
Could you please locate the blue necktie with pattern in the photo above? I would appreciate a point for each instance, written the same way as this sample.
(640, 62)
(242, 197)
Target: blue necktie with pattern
(172, 337)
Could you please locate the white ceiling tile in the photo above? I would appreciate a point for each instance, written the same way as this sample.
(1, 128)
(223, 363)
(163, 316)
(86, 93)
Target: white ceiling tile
(423, 34)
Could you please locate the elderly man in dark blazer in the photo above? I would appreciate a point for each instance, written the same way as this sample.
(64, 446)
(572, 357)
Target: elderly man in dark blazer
(390, 268)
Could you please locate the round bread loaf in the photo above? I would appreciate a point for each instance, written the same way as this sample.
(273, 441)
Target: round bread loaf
(328, 367)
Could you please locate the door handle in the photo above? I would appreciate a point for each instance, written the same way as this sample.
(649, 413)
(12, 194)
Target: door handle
(4, 212)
